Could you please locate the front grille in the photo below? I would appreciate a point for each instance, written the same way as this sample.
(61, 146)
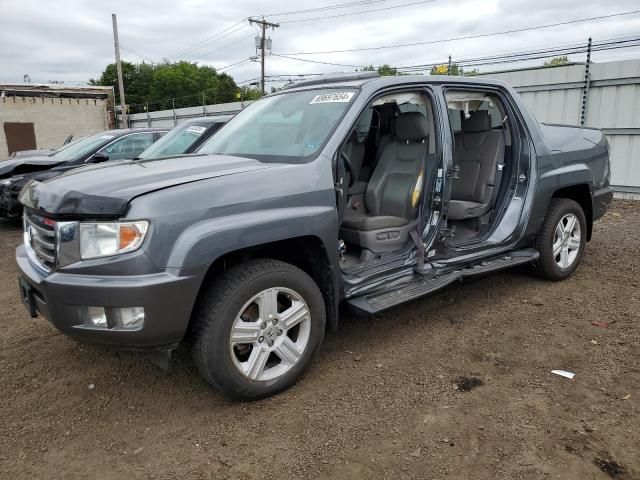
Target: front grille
(40, 235)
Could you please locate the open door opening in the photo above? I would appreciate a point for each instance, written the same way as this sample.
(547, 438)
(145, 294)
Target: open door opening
(483, 164)
(390, 161)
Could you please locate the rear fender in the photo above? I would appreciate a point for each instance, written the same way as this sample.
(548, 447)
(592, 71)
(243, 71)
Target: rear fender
(552, 181)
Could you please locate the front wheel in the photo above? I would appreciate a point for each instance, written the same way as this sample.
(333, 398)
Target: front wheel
(561, 240)
(257, 328)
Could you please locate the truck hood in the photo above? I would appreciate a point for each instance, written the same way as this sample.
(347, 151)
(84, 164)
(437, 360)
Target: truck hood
(105, 190)
(9, 168)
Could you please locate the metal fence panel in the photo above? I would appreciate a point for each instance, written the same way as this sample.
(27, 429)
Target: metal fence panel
(555, 96)
(170, 118)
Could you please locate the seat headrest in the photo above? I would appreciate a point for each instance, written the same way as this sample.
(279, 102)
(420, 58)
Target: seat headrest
(479, 121)
(412, 126)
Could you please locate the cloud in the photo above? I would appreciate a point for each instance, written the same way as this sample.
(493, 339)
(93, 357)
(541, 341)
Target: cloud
(73, 41)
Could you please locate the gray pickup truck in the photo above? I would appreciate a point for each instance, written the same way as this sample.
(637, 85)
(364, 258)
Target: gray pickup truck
(353, 190)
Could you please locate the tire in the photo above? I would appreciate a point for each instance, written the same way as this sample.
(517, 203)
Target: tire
(551, 264)
(268, 358)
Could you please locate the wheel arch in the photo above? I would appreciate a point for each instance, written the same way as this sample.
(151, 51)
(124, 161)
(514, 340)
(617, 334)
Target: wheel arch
(580, 193)
(308, 252)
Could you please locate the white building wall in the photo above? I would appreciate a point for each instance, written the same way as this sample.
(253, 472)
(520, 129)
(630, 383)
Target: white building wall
(54, 119)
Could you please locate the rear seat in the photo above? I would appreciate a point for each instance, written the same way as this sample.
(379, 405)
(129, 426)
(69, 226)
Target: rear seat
(479, 151)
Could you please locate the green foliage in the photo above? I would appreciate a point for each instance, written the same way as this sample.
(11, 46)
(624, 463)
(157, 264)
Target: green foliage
(456, 70)
(384, 70)
(387, 70)
(563, 60)
(248, 93)
(156, 85)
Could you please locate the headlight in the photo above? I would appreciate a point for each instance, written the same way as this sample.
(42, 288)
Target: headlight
(105, 239)
(9, 181)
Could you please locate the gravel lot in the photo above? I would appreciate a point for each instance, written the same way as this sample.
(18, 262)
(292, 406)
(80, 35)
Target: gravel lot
(380, 401)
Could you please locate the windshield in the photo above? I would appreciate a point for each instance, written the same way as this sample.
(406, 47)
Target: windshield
(82, 147)
(281, 127)
(177, 141)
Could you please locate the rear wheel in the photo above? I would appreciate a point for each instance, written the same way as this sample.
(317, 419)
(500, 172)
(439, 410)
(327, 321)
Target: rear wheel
(561, 240)
(258, 326)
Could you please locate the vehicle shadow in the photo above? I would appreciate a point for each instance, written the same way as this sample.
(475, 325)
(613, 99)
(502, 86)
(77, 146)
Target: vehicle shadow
(133, 375)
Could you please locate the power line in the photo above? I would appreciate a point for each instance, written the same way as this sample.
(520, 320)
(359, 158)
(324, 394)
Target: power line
(137, 54)
(204, 55)
(466, 37)
(227, 31)
(611, 44)
(221, 34)
(295, 75)
(318, 61)
(325, 8)
(234, 65)
(254, 79)
(549, 50)
(532, 54)
(361, 12)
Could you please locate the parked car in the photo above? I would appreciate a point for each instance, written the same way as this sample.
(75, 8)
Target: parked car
(109, 145)
(356, 190)
(40, 152)
(186, 137)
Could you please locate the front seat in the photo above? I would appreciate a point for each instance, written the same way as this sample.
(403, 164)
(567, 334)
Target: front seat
(479, 152)
(382, 218)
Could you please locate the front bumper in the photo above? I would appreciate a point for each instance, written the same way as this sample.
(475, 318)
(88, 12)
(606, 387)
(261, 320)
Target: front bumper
(9, 205)
(167, 298)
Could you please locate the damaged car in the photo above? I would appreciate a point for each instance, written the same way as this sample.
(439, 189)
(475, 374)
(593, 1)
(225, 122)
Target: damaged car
(109, 145)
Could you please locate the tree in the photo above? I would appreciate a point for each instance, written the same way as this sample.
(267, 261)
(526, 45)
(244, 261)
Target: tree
(161, 86)
(563, 60)
(387, 70)
(248, 93)
(384, 70)
(456, 69)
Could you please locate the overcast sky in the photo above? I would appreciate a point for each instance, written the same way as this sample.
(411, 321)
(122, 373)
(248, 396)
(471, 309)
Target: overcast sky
(71, 40)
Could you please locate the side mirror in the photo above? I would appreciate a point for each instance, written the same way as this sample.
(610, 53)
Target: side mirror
(98, 157)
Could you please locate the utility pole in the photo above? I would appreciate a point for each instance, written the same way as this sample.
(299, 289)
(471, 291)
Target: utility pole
(263, 24)
(116, 43)
(587, 84)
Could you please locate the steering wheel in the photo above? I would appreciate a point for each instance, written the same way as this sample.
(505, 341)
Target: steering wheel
(349, 166)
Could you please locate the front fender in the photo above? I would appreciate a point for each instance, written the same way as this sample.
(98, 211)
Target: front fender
(206, 241)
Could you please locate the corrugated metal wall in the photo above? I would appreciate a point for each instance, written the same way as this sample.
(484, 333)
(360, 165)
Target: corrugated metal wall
(613, 104)
(170, 118)
(555, 96)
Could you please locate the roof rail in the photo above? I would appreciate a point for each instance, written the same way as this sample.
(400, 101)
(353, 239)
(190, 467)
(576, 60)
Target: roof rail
(333, 78)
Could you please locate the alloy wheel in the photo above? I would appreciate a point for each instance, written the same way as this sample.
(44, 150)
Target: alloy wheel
(270, 334)
(567, 240)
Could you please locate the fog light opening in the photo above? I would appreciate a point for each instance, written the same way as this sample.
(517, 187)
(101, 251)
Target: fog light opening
(95, 317)
(129, 317)
(109, 318)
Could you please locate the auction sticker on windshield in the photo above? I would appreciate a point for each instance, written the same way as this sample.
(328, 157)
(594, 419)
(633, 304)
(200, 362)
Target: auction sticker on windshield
(336, 97)
(196, 129)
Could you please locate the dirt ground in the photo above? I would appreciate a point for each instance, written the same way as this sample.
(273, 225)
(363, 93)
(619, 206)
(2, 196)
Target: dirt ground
(381, 400)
